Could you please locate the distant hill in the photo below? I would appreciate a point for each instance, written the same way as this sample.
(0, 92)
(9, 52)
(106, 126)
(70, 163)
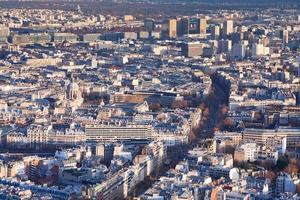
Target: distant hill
(220, 2)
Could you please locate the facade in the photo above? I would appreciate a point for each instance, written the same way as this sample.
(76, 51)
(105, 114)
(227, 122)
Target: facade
(182, 26)
(202, 26)
(169, 28)
(4, 32)
(34, 38)
(113, 93)
(246, 152)
(64, 37)
(120, 185)
(259, 50)
(284, 34)
(192, 49)
(252, 152)
(172, 28)
(227, 28)
(96, 133)
(91, 37)
(238, 51)
(149, 24)
(230, 195)
(260, 136)
(216, 32)
(46, 135)
(284, 183)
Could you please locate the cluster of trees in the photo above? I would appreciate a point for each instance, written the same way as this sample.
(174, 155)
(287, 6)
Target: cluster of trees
(201, 125)
(155, 106)
(178, 104)
(224, 122)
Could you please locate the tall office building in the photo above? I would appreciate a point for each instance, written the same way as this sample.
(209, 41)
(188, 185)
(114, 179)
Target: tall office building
(224, 46)
(259, 50)
(172, 28)
(202, 26)
(149, 24)
(61, 37)
(238, 51)
(227, 28)
(284, 35)
(215, 32)
(191, 26)
(284, 183)
(194, 24)
(169, 28)
(106, 151)
(182, 26)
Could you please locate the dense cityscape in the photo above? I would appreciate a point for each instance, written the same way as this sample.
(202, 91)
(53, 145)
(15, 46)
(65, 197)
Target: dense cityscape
(149, 100)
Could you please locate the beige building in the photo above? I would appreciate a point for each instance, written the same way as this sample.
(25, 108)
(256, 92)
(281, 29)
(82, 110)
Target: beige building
(68, 137)
(116, 132)
(227, 27)
(202, 26)
(246, 152)
(260, 136)
(3, 170)
(170, 28)
(15, 138)
(44, 135)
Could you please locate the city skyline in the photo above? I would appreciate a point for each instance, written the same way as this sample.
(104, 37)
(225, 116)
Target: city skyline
(150, 100)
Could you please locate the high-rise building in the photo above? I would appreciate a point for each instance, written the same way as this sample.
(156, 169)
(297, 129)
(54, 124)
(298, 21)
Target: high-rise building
(197, 26)
(202, 26)
(106, 151)
(284, 35)
(194, 24)
(172, 28)
(169, 28)
(259, 50)
(149, 24)
(238, 51)
(284, 183)
(236, 37)
(182, 26)
(224, 46)
(227, 28)
(215, 32)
